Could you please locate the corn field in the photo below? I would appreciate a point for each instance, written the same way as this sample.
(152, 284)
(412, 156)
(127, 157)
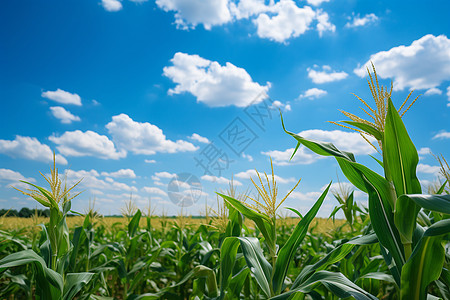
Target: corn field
(398, 248)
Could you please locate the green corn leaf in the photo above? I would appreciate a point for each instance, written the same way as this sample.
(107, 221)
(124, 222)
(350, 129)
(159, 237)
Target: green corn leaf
(44, 192)
(134, 223)
(366, 128)
(263, 222)
(334, 282)
(256, 262)
(437, 203)
(237, 282)
(425, 264)
(228, 252)
(333, 257)
(287, 252)
(74, 283)
(400, 153)
(44, 275)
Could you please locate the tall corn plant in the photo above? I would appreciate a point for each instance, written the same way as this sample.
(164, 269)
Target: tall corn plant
(414, 254)
(271, 275)
(51, 264)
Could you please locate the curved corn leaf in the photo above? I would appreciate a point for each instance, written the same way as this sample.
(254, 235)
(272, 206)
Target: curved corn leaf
(262, 221)
(334, 256)
(437, 203)
(228, 252)
(366, 128)
(74, 282)
(134, 223)
(290, 247)
(426, 262)
(334, 282)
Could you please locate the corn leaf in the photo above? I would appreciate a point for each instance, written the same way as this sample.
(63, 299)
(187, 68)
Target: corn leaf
(437, 203)
(425, 264)
(287, 252)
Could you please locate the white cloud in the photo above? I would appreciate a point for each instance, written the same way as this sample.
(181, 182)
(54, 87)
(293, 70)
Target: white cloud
(424, 151)
(90, 180)
(220, 180)
(433, 91)
(124, 173)
(247, 157)
(357, 21)
(287, 20)
(316, 2)
(154, 190)
(62, 114)
(424, 64)
(112, 5)
(282, 106)
(143, 138)
(199, 138)
(324, 24)
(424, 168)
(448, 96)
(312, 93)
(149, 161)
(213, 84)
(29, 148)
(62, 97)
(326, 75)
(248, 8)
(167, 175)
(89, 143)
(303, 156)
(442, 135)
(305, 197)
(190, 13)
(251, 173)
(345, 141)
(13, 176)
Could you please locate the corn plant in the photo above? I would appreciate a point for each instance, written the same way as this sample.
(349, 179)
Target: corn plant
(52, 262)
(414, 253)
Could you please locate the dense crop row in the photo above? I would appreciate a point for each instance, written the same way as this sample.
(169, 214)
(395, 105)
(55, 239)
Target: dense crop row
(398, 249)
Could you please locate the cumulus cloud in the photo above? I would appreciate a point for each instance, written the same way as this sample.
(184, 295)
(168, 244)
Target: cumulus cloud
(286, 20)
(62, 97)
(112, 5)
(199, 138)
(424, 168)
(248, 8)
(345, 141)
(91, 181)
(62, 114)
(220, 180)
(442, 135)
(251, 173)
(11, 176)
(149, 161)
(143, 138)
(167, 175)
(424, 151)
(282, 158)
(433, 91)
(424, 64)
(154, 190)
(247, 157)
(89, 143)
(358, 21)
(188, 14)
(124, 173)
(278, 105)
(313, 93)
(323, 23)
(316, 2)
(29, 148)
(325, 75)
(213, 84)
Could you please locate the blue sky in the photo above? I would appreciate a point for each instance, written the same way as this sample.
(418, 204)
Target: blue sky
(130, 93)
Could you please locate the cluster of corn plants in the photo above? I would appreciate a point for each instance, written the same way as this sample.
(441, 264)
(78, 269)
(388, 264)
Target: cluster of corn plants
(398, 248)
(412, 228)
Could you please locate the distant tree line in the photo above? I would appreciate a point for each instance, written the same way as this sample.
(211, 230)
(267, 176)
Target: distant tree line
(24, 212)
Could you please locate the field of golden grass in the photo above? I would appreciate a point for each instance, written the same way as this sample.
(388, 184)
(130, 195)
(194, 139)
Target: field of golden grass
(14, 223)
